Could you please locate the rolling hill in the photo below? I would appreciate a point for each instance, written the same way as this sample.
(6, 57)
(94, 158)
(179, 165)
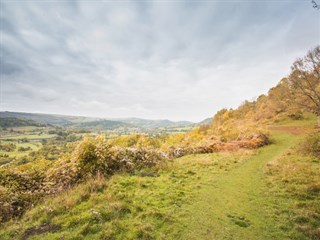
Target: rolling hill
(94, 124)
(151, 124)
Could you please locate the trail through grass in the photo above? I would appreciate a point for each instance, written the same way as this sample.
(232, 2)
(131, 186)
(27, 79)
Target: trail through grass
(236, 205)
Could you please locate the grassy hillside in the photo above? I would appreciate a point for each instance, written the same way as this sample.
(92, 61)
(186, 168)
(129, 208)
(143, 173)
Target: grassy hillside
(88, 123)
(62, 120)
(41, 118)
(227, 195)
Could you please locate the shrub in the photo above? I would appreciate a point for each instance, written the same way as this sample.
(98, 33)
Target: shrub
(311, 145)
(62, 175)
(98, 156)
(95, 155)
(18, 191)
(137, 158)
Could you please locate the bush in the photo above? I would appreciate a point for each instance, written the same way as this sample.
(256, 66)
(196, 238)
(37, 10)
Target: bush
(19, 191)
(63, 175)
(137, 158)
(98, 156)
(95, 155)
(24, 186)
(311, 145)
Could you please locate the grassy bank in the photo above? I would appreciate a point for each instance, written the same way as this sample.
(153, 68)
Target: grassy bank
(207, 196)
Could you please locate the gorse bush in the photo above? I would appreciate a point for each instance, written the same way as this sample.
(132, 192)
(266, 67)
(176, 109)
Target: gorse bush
(18, 191)
(311, 144)
(98, 156)
(63, 175)
(94, 155)
(22, 187)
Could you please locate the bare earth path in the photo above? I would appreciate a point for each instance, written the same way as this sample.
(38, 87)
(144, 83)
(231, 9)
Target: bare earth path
(236, 205)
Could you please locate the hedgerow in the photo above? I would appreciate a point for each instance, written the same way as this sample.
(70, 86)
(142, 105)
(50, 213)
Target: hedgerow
(25, 185)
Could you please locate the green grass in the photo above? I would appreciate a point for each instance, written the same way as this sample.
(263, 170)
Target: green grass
(126, 206)
(295, 176)
(208, 196)
(308, 120)
(237, 205)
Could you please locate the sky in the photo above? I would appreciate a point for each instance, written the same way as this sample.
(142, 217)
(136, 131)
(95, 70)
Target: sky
(178, 60)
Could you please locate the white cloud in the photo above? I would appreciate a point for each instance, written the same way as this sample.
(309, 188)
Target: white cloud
(176, 60)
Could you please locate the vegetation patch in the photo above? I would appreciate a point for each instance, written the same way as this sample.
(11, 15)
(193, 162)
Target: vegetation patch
(44, 228)
(239, 220)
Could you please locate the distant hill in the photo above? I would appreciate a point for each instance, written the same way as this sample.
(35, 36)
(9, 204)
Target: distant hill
(94, 124)
(75, 122)
(101, 125)
(6, 122)
(60, 120)
(205, 121)
(151, 124)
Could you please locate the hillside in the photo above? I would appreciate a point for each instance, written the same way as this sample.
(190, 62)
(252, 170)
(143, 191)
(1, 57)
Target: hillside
(95, 124)
(151, 124)
(101, 125)
(219, 195)
(54, 119)
(205, 121)
(6, 122)
(41, 118)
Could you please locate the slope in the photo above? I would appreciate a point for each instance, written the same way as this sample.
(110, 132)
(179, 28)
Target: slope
(236, 205)
(207, 196)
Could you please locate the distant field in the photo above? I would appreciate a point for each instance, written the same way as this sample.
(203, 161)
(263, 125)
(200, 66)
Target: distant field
(27, 128)
(35, 146)
(14, 135)
(29, 136)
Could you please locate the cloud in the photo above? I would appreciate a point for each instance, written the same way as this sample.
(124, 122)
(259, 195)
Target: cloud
(176, 60)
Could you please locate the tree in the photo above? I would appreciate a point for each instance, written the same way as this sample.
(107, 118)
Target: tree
(305, 81)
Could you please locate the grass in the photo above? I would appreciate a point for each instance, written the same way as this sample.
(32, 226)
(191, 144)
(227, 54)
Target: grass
(242, 195)
(296, 176)
(308, 120)
(237, 205)
(143, 206)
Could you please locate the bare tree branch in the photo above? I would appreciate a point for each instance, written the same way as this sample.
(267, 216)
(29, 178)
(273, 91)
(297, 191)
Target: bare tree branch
(315, 5)
(305, 81)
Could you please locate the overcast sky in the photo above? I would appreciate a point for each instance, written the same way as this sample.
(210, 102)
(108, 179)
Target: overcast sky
(178, 60)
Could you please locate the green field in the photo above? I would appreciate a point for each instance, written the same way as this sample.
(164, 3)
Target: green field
(34, 146)
(23, 137)
(28, 136)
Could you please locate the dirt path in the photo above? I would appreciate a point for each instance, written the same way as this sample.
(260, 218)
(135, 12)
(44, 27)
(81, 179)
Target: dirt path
(236, 205)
